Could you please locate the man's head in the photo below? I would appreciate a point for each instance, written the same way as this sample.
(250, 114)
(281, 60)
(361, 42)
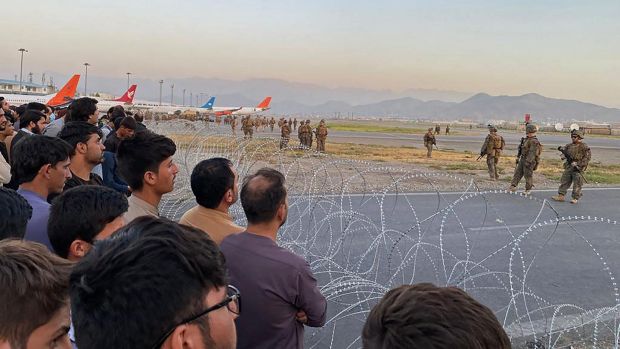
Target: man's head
(430, 129)
(214, 182)
(83, 109)
(576, 136)
(4, 104)
(168, 274)
(530, 129)
(82, 215)
(146, 161)
(38, 106)
(125, 127)
(33, 120)
(42, 159)
(85, 139)
(15, 212)
(139, 117)
(492, 128)
(34, 302)
(263, 197)
(427, 316)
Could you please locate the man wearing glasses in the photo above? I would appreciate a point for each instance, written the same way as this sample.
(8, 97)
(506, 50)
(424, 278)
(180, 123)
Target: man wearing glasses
(154, 284)
(576, 158)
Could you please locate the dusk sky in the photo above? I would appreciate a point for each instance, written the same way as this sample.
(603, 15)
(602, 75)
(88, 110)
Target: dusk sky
(563, 49)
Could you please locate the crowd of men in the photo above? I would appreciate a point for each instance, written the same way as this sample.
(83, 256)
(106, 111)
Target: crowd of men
(89, 263)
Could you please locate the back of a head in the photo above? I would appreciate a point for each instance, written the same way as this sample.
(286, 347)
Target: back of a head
(144, 152)
(36, 106)
(30, 115)
(82, 213)
(35, 286)
(75, 132)
(81, 109)
(262, 194)
(431, 317)
(31, 153)
(139, 117)
(128, 122)
(162, 270)
(210, 180)
(15, 212)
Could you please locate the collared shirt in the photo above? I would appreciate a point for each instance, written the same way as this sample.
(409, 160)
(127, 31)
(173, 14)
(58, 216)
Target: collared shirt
(218, 225)
(274, 284)
(54, 128)
(139, 208)
(36, 230)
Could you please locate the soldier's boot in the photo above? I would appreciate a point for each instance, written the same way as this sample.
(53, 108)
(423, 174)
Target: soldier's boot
(512, 189)
(574, 201)
(527, 192)
(558, 197)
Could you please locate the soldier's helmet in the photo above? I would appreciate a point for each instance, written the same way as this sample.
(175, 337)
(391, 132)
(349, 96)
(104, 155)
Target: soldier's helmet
(530, 128)
(307, 121)
(578, 133)
(492, 128)
(322, 121)
(430, 128)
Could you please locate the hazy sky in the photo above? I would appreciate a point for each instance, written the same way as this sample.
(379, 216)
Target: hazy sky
(565, 49)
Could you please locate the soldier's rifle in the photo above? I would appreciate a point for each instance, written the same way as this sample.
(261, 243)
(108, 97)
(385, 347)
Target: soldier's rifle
(569, 159)
(481, 156)
(520, 149)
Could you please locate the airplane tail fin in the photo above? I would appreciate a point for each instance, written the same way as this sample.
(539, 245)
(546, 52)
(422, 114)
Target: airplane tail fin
(265, 103)
(128, 96)
(66, 93)
(209, 104)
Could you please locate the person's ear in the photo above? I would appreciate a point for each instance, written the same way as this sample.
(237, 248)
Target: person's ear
(78, 249)
(184, 337)
(45, 170)
(81, 148)
(230, 196)
(150, 178)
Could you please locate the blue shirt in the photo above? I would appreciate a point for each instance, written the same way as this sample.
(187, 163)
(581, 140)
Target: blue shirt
(36, 230)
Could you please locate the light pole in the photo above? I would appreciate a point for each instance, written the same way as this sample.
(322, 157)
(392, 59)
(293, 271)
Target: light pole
(161, 83)
(128, 80)
(172, 94)
(183, 97)
(21, 67)
(191, 98)
(86, 78)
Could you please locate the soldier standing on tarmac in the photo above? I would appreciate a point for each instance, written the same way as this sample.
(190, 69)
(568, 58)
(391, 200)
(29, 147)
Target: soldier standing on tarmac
(286, 134)
(577, 156)
(308, 134)
(295, 124)
(447, 129)
(492, 148)
(437, 129)
(528, 157)
(429, 141)
(321, 136)
(233, 125)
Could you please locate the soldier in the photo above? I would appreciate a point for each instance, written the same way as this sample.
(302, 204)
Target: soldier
(437, 129)
(244, 126)
(447, 129)
(233, 125)
(308, 135)
(286, 134)
(250, 124)
(295, 124)
(429, 141)
(321, 136)
(492, 147)
(577, 156)
(272, 122)
(528, 157)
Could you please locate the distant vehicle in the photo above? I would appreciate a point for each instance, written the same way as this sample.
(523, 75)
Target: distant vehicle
(61, 98)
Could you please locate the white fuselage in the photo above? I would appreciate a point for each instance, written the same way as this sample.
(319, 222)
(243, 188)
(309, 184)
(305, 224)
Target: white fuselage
(16, 99)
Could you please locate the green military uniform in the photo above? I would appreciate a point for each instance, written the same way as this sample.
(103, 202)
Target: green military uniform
(447, 129)
(308, 134)
(272, 122)
(429, 141)
(300, 134)
(579, 154)
(321, 136)
(233, 125)
(492, 148)
(529, 157)
(286, 135)
(294, 124)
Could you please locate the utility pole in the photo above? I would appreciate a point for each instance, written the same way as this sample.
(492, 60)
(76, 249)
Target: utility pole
(21, 67)
(183, 97)
(191, 98)
(161, 83)
(172, 94)
(86, 79)
(128, 80)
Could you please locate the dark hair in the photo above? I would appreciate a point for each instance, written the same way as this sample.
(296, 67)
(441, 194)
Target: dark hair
(139, 117)
(144, 152)
(33, 152)
(15, 212)
(128, 122)
(20, 110)
(82, 213)
(142, 266)
(75, 132)
(262, 194)
(29, 116)
(118, 113)
(36, 106)
(34, 284)
(210, 180)
(81, 109)
(427, 316)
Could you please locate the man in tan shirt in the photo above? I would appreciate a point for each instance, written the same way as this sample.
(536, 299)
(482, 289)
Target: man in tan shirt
(214, 183)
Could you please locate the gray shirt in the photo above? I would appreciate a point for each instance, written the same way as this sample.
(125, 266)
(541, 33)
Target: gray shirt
(274, 284)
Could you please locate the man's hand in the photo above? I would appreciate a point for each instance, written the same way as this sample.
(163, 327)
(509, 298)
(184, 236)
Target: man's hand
(301, 317)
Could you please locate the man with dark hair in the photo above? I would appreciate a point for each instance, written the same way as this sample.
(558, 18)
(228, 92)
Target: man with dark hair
(111, 178)
(32, 123)
(5, 167)
(122, 271)
(427, 316)
(55, 126)
(83, 109)
(85, 139)
(34, 301)
(145, 163)
(139, 121)
(37, 106)
(82, 215)
(15, 212)
(214, 183)
(125, 128)
(41, 167)
(280, 294)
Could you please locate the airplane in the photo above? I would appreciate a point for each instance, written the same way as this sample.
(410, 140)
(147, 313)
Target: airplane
(59, 99)
(125, 99)
(261, 107)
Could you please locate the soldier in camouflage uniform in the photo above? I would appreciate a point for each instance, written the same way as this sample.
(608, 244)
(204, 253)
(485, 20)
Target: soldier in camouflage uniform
(233, 125)
(295, 124)
(300, 135)
(492, 148)
(429, 141)
(321, 136)
(574, 166)
(286, 135)
(528, 159)
(308, 134)
(272, 122)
